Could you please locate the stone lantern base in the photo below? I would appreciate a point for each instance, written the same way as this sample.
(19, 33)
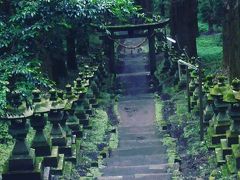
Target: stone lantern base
(13, 171)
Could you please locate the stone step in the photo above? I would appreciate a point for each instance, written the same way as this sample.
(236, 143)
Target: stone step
(128, 144)
(137, 91)
(140, 97)
(131, 82)
(140, 151)
(136, 160)
(132, 67)
(135, 57)
(139, 136)
(135, 87)
(134, 75)
(155, 176)
(132, 170)
(137, 129)
(134, 64)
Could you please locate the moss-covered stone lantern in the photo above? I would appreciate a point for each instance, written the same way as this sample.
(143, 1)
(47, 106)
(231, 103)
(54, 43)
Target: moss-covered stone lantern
(208, 111)
(80, 107)
(72, 122)
(41, 106)
(22, 163)
(221, 120)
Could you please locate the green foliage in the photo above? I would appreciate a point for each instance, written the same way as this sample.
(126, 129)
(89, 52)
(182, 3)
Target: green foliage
(161, 7)
(33, 32)
(210, 50)
(5, 138)
(158, 111)
(191, 134)
(100, 126)
(5, 151)
(211, 11)
(167, 141)
(202, 27)
(121, 9)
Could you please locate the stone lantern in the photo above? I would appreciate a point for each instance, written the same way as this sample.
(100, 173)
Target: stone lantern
(22, 163)
(195, 96)
(55, 116)
(72, 122)
(80, 105)
(208, 99)
(231, 137)
(234, 113)
(167, 63)
(208, 111)
(40, 143)
(43, 145)
(208, 84)
(221, 120)
(93, 91)
(97, 76)
(193, 88)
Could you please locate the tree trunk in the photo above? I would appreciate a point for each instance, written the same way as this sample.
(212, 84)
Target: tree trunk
(231, 39)
(71, 50)
(83, 42)
(147, 6)
(184, 24)
(57, 57)
(210, 27)
(5, 7)
(162, 9)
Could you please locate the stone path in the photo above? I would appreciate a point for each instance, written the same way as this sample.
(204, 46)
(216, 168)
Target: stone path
(140, 154)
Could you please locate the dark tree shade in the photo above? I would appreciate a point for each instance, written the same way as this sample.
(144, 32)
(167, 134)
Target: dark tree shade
(71, 50)
(183, 24)
(147, 5)
(231, 38)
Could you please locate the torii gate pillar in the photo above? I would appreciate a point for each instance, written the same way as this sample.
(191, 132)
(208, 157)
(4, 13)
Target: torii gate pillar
(152, 54)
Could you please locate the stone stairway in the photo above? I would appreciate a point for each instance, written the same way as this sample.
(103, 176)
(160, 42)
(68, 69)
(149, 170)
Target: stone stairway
(140, 154)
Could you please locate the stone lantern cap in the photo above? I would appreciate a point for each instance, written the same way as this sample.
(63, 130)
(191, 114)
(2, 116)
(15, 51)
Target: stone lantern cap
(16, 107)
(183, 56)
(194, 74)
(81, 75)
(229, 96)
(90, 74)
(40, 105)
(70, 97)
(221, 80)
(57, 102)
(220, 88)
(209, 97)
(236, 84)
(209, 78)
(217, 90)
(95, 68)
(237, 95)
(208, 83)
(81, 85)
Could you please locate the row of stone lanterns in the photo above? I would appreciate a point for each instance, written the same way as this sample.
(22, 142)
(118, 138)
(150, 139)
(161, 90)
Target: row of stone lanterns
(222, 119)
(68, 113)
(221, 112)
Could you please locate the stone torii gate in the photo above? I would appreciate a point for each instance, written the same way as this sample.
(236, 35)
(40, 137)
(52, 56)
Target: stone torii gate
(133, 31)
